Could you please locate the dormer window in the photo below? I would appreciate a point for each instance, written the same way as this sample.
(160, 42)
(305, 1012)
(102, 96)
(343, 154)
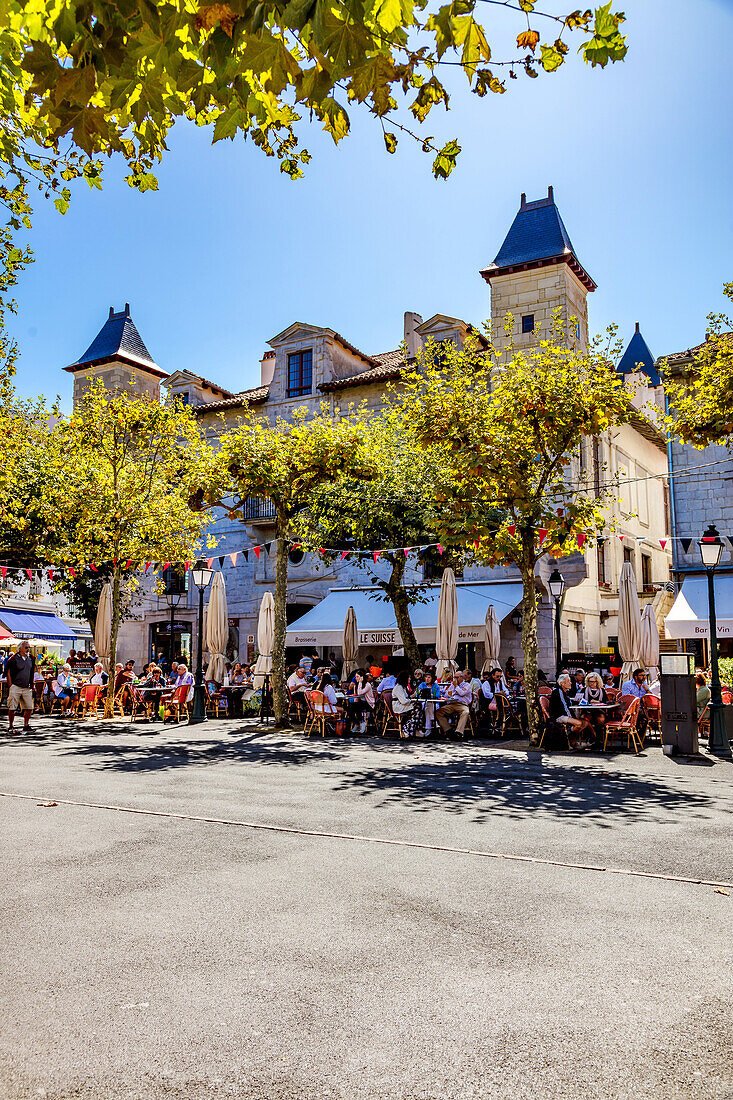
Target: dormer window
(300, 373)
(528, 322)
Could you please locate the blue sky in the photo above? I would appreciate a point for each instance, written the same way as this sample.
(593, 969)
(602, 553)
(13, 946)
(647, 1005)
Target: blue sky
(229, 252)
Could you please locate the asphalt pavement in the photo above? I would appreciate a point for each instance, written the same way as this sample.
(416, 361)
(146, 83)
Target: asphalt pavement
(249, 936)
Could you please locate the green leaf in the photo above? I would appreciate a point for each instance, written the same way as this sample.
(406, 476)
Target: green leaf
(445, 161)
(390, 142)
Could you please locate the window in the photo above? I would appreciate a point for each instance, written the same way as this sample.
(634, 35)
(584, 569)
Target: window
(528, 322)
(601, 559)
(577, 330)
(646, 572)
(628, 555)
(295, 556)
(300, 373)
(175, 580)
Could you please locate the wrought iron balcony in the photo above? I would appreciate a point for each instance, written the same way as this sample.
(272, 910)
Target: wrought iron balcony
(259, 511)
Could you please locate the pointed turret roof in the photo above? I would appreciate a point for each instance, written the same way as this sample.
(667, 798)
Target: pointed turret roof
(637, 357)
(119, 339)
(537, 238)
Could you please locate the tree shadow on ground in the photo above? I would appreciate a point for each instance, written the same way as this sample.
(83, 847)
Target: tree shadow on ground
(514, 788)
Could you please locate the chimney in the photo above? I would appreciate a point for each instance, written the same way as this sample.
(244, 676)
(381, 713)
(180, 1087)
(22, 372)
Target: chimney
(412, 337)
(267, 368)
(637, 327)
(551, 194)
(523, 201)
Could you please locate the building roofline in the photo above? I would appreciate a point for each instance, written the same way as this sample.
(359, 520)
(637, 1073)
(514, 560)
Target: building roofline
(128, 360)
(493, 272)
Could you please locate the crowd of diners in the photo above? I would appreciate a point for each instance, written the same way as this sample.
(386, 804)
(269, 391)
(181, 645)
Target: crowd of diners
(424, 704)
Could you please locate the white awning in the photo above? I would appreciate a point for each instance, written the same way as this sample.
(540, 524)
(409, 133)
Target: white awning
(375, 620)
(689, 615)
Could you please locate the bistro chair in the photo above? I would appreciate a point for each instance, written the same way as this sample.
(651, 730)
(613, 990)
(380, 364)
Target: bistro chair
(179, 702)
(323, 715)
(216, 702)
(652, 708)
(297, 706)
(140, 705)
(53, 699)
(89, 699)
(703, 723)
(506, 719)
(612, 694)
(392, 721)
(626, 727)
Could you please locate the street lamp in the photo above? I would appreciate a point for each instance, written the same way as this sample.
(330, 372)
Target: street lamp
(711, 547)
(172, 599)
(201, 576)
(556, 584)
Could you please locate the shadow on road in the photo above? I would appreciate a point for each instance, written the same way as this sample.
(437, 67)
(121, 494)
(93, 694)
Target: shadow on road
(511, 789)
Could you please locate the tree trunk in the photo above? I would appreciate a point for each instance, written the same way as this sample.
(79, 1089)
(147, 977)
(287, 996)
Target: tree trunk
(279, 701)
(114, 627)
(529, 634)
(401, 605)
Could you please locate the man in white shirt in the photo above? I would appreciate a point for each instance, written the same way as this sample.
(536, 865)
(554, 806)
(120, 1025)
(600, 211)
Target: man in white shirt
(184, 677)
(461, 696)
(297, 681)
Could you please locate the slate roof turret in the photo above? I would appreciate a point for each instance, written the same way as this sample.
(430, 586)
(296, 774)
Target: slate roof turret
(637, 357)
(537, 238)
(118, 338)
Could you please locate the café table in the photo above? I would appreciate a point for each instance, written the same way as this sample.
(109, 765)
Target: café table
(590, 710)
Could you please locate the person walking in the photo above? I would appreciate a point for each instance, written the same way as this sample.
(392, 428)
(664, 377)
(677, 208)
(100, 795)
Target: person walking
(20, 673)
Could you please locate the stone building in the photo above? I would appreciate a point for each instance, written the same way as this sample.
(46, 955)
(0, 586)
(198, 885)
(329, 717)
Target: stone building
(701, 492)
(536, 271)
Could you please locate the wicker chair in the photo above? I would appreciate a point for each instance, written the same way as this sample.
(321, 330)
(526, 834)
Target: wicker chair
(323, 715)
(179, 701)
(90, 697)
(626, 727)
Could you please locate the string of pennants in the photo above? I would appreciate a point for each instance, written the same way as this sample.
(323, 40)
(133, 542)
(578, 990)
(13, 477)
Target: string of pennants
(151, 567)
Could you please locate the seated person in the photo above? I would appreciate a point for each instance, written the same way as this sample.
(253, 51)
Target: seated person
(100, 677)
(184, 678)
(511, 669)
(173, 674)
(387, 683)
(124, 675)
(595, 693)
(459, 696)
(331, 703)
(155, 686)
(561, 714)
(636, 688)
(578, 687)
(429, 691)
(65, 690)
(703, 694)
(409, 712)
(297, 683)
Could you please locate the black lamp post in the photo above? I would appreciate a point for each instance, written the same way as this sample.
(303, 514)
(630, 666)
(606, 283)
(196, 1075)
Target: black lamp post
(711, 547)
(172, 599)
(201, 576)
(556, 584)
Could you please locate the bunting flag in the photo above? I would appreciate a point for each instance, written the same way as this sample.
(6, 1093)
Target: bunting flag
(4, 571)
(295, 546)
(93, 567)
(209, 563)
(580, 539)
(257, 552)
(344, 554)
(114, 562)
(440, 548)
(147, 565)
(166, 565)
(128, 564)
(233, 558)
(267, 548)
(476, 543)
(187, 565)
(543, 532)
(620, 538)
(663, 543)
(245, 555)
(50, 573)
(407, 551)
(686, 544)
(376, 556)
(512, 529)
(30, 574)
(73, 572)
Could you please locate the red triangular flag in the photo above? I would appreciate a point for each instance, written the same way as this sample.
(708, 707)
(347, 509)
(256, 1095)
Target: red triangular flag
(257, 552)
(477, 543)
(93, 567)
(114, 561)
(344, 554)
(580, 538)
(147, 565)
(166, 565)
(30, 574)
(663, 543)
(50, 572)
(621, 538)
(209, 562)
(233, 557)
(188, 565)
(406, 550)
(512, 529)
(3, 571)
(295, 546)
(73, 572)
(440, 548)
(128, 564)
(543, 531)
(376, 555)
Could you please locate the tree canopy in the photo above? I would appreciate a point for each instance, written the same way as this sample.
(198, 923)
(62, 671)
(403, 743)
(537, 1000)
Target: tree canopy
(701, 393)
(81, 81)
(511, 420)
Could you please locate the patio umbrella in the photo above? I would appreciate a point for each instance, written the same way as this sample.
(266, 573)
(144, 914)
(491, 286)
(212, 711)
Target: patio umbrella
(446, 633)
(650, 642)
(350, 644)
(217, 630)
(629, 622)
(492, 640)
(103, 626)
(265, 638)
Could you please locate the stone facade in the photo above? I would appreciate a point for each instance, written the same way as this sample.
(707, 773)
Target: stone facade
(118, 376)
(539, 293)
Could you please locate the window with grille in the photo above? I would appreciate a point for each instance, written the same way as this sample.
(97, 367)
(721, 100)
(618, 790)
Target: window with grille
(300, 373)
